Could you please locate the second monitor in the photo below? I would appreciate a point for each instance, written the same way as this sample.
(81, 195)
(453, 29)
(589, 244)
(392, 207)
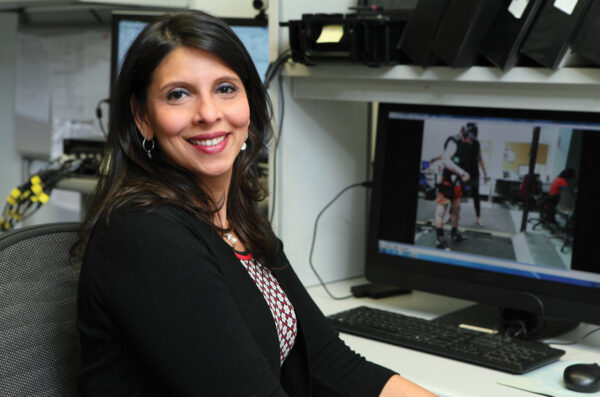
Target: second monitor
(490, 205)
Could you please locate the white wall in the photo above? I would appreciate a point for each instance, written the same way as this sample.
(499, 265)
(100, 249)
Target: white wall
(323, 149)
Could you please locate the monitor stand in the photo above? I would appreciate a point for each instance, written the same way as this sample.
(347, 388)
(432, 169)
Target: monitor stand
(516, 323)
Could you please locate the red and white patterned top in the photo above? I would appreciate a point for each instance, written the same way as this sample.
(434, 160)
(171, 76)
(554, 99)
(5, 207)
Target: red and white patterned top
(281, 307)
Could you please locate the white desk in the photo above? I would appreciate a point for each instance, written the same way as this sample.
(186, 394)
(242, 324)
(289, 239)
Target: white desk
(442, 376)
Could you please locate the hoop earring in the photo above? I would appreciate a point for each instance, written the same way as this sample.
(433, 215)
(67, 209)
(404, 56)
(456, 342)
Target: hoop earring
(148, 150)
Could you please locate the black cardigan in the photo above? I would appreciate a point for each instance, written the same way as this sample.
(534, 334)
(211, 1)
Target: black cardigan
(166, 309)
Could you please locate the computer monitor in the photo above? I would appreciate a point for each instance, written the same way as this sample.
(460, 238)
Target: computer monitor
(126, 26)
(533, 263)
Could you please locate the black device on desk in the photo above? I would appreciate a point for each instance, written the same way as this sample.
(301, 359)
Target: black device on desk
(533, 290)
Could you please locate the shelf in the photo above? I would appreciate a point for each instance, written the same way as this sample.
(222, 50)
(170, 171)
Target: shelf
(568, 88)
(69, 6)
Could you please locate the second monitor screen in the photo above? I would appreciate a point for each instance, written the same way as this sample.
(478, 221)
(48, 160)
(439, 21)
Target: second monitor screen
(481, 169)
(486, 189)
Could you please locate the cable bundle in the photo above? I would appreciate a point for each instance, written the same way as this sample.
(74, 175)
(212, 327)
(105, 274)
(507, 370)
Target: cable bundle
(24, 200)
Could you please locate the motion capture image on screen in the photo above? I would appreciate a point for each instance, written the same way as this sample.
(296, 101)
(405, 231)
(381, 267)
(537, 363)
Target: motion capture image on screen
(488, 190)
(474, 180)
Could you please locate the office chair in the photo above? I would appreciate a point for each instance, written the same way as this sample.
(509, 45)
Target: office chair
(546, 207)
(39, 344)
(565, 208)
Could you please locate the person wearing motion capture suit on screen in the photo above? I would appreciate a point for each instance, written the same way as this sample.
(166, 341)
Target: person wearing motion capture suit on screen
(473, 162)
(454, 176)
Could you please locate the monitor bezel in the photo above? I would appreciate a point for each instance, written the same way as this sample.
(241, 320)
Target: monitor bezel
(570, 302)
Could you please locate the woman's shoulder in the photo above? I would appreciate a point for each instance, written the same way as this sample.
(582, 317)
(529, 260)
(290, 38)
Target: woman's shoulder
(127, 221)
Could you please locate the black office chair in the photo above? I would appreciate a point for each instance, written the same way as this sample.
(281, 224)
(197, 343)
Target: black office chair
(546, 207)
(39, 344)
(565, 209)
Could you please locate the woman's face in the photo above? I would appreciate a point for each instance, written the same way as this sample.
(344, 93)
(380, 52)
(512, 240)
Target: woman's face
(198, 111)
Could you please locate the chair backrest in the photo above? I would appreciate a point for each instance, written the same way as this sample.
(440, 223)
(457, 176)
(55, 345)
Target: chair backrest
(566, 201)
(39, 344)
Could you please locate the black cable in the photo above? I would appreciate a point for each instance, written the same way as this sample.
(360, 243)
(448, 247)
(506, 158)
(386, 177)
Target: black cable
(99, 116)
(96, 16)
(277, 139)
(312, 245)
(541, 304)
(273, 70)
(576, 341)
(27, 198)
(521, 331)
(275, 66)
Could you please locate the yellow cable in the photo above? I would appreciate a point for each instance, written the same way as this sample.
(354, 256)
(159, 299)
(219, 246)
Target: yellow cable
(37, 189)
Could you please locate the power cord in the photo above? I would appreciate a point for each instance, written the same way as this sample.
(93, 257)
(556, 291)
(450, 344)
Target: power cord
(576, 341)
(312, 245)
(277, 139)
(517, 325)
(275, 66)
(99, 116)
(518, 328)
(273, 70)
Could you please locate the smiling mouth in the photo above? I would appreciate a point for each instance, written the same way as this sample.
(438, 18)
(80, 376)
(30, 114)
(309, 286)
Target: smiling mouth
(207, 142)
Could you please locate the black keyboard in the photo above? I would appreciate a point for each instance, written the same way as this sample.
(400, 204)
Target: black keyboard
(480, 348)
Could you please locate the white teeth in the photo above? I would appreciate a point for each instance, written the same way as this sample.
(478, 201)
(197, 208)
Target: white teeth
(207, 142)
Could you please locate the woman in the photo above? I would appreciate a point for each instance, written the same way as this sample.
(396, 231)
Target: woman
(562, 181)
(184, 289)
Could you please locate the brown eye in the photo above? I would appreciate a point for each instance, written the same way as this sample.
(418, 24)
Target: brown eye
(177, 94)
(226, 89)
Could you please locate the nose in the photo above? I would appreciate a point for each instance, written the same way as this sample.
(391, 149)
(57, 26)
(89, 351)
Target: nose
(207, 111)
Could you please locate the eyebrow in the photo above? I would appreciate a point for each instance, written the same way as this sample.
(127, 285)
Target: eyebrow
(185, 83)
(173, 84)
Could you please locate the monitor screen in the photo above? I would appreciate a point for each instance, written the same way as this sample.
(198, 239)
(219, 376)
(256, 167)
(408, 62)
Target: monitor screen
(491, 205)
(127, 26)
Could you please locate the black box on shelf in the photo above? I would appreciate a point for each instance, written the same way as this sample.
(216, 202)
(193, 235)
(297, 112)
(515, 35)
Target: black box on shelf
(587, 40)
(462, 29)
(553, 31)
(368, 37)
(376, 36)
(321, 37)
(420, 31)
(508, 31)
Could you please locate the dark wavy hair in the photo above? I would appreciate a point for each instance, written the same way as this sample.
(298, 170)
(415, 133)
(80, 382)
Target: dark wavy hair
(129, 177)
(567, 173)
